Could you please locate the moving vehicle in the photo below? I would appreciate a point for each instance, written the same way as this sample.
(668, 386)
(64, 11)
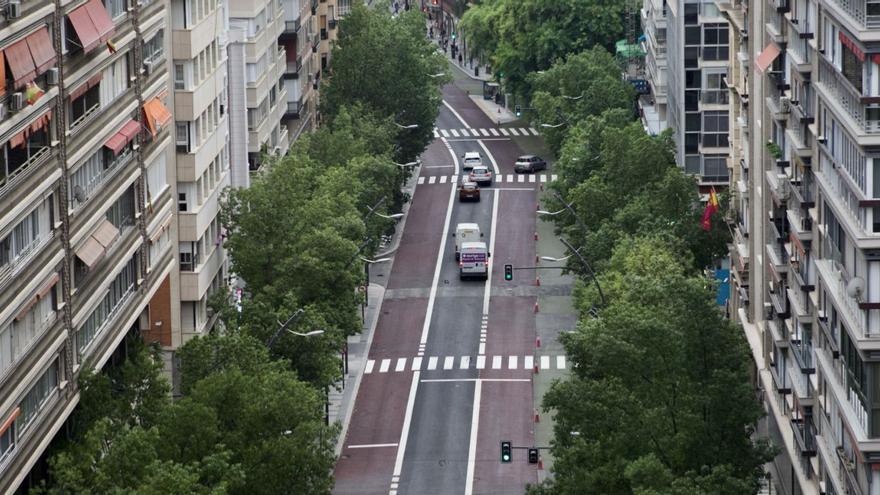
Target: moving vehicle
(481, 175)
(465, 232)
(471, 159)
(474, 261)
(468, 191)
(529, 163)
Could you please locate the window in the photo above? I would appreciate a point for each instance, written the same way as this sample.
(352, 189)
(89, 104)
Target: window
(27, 234)
(715, 129)
(121, 213)
(84, 105)
(86, 179)
(179, 76)
(114, 81)
(7, 442)
(189, 256)
(715, 168)
(182, 204)
(153, 48)
(156, 179)
(17, 337)
(37, 396)
(182, 137)
(715, 42)
(115, 8)
(121, 286)
(852, 68)
(715, 92)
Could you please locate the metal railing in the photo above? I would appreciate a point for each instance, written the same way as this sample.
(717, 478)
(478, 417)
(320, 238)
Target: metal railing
(14, 177)
(857, 9)
(842, 91)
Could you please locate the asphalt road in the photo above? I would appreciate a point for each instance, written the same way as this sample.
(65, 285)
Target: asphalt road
(436, 399)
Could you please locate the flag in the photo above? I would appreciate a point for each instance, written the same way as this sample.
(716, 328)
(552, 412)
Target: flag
(111, 47)
(711, 208)
(33, 93)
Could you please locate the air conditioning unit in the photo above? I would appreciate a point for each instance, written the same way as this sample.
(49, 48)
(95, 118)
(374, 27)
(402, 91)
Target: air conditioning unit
(13, 9)
(16, 102)
(52, 76)
(148, 67)
(784, 104)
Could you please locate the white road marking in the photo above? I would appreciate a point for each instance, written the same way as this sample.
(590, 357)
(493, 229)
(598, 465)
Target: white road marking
(416, 364)
(436, 134)
(401, 364)
(432, 179)
(443, 179)
(487, 292)
(528, 362)
(493, 131)
(448, 380)
(491, 158)
(444, 132)
(369, 368)
(554, 177)
(484, 132)
(523, 131)
(371, 445)
(531, 178)
(509, 177)
(432, 363)
(452, 154)
(545, 362)
(453, 179)
(383, 368)
(472, 447)
(465, 363)
(543, 177)
(421, 180)
(482, 351)
(446, 103)
(449, 362)
(503, 131)
(464, 132)
(483, 138)
(511, 362)
(496, 362)
(535, 132)
(481, 362)
(513, 131)
(521, 178)
(560, 362)
(453, 132)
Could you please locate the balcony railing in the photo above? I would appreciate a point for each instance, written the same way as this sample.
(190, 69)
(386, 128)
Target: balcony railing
(715, 97)
(293, 109)
(292, 26)
(14, 177)
(868, 16)
(852, 101)
(293, 68)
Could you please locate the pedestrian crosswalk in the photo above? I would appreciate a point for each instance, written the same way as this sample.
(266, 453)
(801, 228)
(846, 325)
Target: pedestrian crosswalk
(436, 363)
(499, 179)
(486, 132)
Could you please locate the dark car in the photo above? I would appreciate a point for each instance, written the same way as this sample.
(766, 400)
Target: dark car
(468, 191)
(529, 163)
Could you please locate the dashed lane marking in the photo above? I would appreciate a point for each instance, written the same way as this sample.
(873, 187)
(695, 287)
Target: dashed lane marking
(401, 364)
(465, 362)
(432, 363)
(383, 368)
(545, 362)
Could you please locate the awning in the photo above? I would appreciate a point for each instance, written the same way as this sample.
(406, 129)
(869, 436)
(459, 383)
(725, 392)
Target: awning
(161, 230)
(2, 73)
(90, 252)
(852, 45)
(106, 233)
(9, 420)
(48, 285)
(21, 64)
(39, 123)
(157, 115)
(84, 27)
(40, 45)
(82, 88)
(766, 58)
(123, 137)
(101, 20)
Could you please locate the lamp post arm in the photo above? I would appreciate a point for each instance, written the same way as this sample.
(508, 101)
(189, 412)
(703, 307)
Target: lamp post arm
(290, 321)
(587, 266)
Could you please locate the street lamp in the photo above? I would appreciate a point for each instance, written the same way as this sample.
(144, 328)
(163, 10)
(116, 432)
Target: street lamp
(393, 216)
(407, 164)
(290, 321)
(556, 260)
(367, 264)
(439, 74)
(573, 97)
(307, 334)
(410, 126)
(553, 126)
(550, 213)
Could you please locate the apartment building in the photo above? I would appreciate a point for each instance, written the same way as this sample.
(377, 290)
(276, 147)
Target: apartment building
(687, 50)
(807, 235)
(86, 204)
(200, 87)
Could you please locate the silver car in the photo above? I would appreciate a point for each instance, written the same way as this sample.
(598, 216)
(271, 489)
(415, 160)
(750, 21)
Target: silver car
(481, 175)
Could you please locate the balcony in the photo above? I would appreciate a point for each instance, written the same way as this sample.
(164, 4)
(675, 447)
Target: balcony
(314, 39)
(778, 104)
(291, 28)
(866, 15)
(805, 436)
(293, 110)
(715, 97)
(862, 109)
(293, 68)
(835, 279)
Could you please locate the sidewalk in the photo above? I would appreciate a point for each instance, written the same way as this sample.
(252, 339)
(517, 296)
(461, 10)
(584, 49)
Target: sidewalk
(341, 399)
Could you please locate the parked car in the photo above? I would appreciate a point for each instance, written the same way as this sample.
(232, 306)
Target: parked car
(529, 163)
(481, 175)
(471, 159)
(468, 191)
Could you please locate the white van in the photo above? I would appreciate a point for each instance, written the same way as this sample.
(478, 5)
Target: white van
(471, 159)
(465, 232)
(474, 261)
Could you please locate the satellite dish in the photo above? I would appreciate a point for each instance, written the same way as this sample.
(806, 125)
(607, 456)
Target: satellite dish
(855, 287)
(79, 193)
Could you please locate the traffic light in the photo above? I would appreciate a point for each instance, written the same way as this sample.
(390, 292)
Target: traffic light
(453, 36)
(505, 451)
(508, 272)
(533, 456)
(517, 110)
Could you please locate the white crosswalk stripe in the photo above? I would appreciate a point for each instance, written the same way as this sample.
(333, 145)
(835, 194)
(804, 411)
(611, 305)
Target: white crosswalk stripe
(543, 178)
(432, 179)
(513, 131)
(504, 131)
(531, 178)
(436, 133)
(444, 132)
(464, 362)
(523, 131)
(554, 177)
(463, 132)
(493, 131)
(421, 180)
(475, 132)
(454, 132)
(509, 177)
(534, 131)
(521, 178)
(484, 132)
(443, 179)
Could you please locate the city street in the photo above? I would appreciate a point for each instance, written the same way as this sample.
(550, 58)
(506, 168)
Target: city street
(449, 374)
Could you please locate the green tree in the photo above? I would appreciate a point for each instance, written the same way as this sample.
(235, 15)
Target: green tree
(525, 36)
(573, 89)
(385, 63)
(659, 397)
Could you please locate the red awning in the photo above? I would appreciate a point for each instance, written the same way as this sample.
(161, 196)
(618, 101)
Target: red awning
(18, 56)
(40, 45)
(82, 88)
(157, 115)
(853, 47)
(38, 123)
(90, 252)
(101, 20)
(766, 58)
(48, 286)
(9, 420)
(123, 137)
(84, 27)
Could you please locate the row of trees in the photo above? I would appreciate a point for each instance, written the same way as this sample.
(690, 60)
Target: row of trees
(659, 400)
(249, 410)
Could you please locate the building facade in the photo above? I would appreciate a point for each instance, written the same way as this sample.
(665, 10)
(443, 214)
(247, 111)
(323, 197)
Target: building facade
(687, 50)
(805, 252)
(86, 204)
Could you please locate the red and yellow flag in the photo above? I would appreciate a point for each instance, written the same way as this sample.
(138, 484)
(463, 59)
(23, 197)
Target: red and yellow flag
(711, 208)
